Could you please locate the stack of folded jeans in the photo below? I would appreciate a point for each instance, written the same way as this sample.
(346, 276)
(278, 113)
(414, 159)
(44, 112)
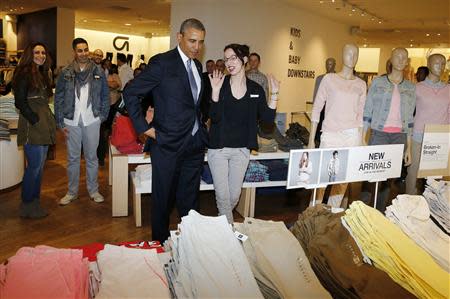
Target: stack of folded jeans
(256, 172)
(395, 253)
(45, 272)
(131, 273)
(208, 261)
(437, 194)
(412, 214)
(278, 261)
(337, 259)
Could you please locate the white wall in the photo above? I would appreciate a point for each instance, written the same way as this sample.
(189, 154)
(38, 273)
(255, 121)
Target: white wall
(265, 25)
(137, 44)
(64, 35)
(368, 60)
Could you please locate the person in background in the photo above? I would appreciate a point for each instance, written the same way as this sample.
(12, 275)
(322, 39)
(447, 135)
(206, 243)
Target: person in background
(136, 72)
(36, 128)
(237, 105)
(330, 67)
(142, 66)
(422, 73)
(220, 66)
(125, 71)
(210, 66)
(97, 57)
(114, 85)
(254, 74)
(106, 65)
(81, 105)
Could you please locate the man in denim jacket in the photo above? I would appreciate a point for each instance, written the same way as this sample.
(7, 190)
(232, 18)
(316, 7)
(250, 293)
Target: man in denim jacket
(389, 110)
(81, 105)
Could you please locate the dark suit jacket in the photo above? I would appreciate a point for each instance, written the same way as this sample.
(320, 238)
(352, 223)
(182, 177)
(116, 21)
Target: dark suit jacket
(167, 80)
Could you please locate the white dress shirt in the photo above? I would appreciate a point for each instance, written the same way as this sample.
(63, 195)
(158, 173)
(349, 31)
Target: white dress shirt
(82, 110)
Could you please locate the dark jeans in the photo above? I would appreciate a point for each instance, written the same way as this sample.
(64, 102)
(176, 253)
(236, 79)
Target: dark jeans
(31, 182)
(105, 131)
(384, 188)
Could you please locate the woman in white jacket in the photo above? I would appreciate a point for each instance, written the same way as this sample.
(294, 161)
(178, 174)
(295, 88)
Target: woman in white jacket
(305, 169)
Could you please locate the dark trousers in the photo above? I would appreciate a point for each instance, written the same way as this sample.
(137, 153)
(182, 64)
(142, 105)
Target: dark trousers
(105, 131)
(175, 180)
(384, 188)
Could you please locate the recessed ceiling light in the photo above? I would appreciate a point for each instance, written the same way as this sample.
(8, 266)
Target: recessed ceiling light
(363, 13)
(321, 1)
(379, 22)
(411, 45)
(350, 14)
(21, 7)
(353, 9)
(365, 45)
(85, 20)
(373, 19)
(127, 24)
(427, 34)
(438, 34)
(333, 1)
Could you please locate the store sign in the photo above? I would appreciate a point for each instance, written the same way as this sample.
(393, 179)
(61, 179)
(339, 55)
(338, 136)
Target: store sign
(312, 168)
(434, 157)
(294, 59)
(121, 42)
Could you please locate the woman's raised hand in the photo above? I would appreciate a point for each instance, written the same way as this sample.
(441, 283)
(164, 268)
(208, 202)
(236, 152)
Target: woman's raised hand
(274, 83)
(216, 79)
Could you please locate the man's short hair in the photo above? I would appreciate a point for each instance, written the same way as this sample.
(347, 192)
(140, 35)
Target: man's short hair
(255, 54)
(191, 23)
(78, 40)
(209, 60)
(122, 57)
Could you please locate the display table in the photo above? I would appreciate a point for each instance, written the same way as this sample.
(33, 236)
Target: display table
(11, 160)
(118, 177)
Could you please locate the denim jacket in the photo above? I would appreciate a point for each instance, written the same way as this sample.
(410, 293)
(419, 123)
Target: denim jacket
(65, 95)
(378, 104)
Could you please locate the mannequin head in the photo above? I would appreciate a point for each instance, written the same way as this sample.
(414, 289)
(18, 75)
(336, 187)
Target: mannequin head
(330, 64)
(350, 54)
(436, 64)
(399, 59)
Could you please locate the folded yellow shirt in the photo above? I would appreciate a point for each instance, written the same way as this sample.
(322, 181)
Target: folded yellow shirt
(395, 253)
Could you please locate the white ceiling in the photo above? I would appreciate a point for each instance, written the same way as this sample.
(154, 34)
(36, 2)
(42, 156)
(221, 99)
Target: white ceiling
(416, 23)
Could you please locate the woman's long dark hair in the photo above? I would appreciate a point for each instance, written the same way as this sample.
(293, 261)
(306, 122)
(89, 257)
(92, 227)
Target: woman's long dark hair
(39, 76)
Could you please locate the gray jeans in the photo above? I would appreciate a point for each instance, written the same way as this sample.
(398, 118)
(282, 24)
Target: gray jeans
(88, 137)
(228, 166)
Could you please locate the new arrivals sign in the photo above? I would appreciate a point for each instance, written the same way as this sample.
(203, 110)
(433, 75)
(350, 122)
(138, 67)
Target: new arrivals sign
(314, 168)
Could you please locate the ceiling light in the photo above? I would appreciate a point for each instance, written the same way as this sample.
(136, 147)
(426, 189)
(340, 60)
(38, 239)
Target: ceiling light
(353, 9)
(321, 1)
(127, 24)
(350, 14)
(363, 13)
(411, 45)
(21, 7)
(85, 20)
(333, 1)
(373, 18)
(379, 22)
(365, 45)
(438, 34)
(427, 34)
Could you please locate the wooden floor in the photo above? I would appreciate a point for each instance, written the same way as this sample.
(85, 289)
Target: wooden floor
(84, 221)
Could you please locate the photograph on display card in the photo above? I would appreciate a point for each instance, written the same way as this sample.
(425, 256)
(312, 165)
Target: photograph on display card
(334, 166)
(303, 169)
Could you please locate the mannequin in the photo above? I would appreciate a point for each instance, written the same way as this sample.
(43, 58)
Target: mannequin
(432, 107)
(344, 94)
(330, 65)
(389, 112)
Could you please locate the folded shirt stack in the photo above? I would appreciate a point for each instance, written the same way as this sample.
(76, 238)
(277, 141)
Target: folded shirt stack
(131, 273)
(143, 173)
(395, 253)
(45, 272)
(7, 108)
(256, 172)
(338, 261)
(208, 261)
(278, 262)
(437, 194)
(412, 214)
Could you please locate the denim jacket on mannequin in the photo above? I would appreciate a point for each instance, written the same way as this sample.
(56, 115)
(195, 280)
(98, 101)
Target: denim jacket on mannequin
(378, 104)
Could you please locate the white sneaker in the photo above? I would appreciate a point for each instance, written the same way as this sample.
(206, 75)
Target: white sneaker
(68, 198)
(97, 197)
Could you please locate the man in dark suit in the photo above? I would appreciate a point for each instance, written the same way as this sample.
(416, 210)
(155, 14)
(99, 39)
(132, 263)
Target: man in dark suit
(176, 136)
